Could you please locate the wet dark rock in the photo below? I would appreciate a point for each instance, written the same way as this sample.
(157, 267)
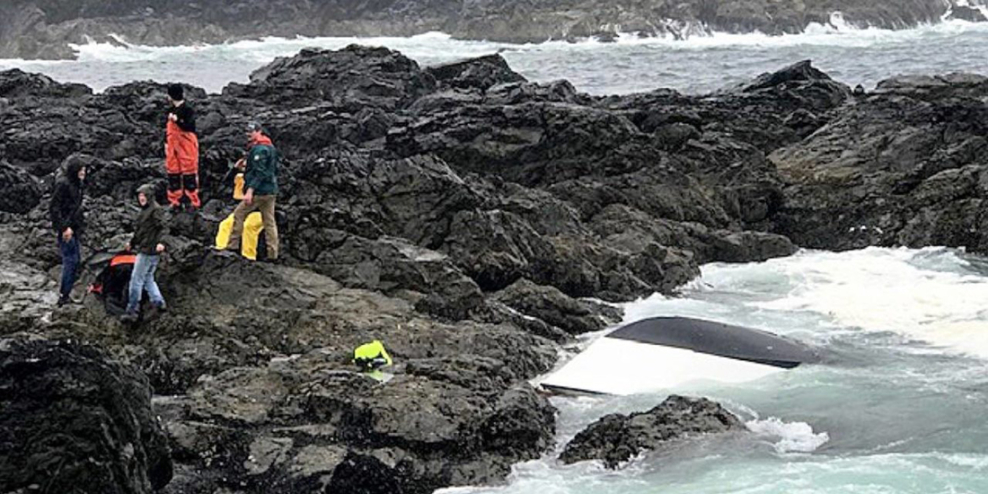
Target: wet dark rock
(555, 308)
(496, 248)
(350, 79)
(364, 474)
(796, 73)
(935, 87)
(903, 166)
(476, 73)
(23, 190)
(16, 83)
(967, 13)
(70, 417)
(616, 438)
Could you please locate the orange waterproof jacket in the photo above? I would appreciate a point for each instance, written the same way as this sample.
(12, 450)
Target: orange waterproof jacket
(181, 150)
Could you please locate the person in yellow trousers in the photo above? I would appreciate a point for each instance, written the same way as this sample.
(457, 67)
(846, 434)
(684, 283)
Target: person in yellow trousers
(253, 225)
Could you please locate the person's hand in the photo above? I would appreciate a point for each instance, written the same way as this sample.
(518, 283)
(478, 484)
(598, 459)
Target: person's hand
(159, 248)
(249, 197)
(67, 234)
(241, 164)
(173, 117)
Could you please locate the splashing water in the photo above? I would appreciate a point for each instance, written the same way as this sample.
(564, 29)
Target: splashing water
(698, 64)
(897, 407)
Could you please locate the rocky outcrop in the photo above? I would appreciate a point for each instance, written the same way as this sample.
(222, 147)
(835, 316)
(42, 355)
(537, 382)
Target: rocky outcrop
(24, 192)
(904, 165)
(468, 219)
(554, 307)
(44, 28)
(70, 418)
(616, 438)
(967, 13)
(480, 73)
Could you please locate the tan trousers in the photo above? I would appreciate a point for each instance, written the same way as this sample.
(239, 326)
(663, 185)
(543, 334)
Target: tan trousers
(264, 204)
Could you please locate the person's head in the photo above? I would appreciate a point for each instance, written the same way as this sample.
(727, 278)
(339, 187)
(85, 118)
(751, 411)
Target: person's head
(145, 194)
(75, 170)
(176, 94)
(255, 130)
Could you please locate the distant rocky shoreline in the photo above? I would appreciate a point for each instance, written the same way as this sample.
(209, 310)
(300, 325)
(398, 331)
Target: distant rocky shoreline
(471, 220)
(43, 29)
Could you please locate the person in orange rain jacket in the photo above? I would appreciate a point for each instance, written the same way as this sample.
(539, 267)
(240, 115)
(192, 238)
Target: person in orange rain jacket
(181, 151)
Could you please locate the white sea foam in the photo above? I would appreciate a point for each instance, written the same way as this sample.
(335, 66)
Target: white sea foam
(793, 437)
(837, 32)
(894, 290)
(701, 63)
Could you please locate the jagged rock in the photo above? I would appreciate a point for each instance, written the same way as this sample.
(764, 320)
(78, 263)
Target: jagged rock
(479, 73)
(617, 438)
(554, 307)
(351, 79)
(364, 474)
(71, 417)
(16, 83)
(967, 13)
(797, 73)
(903, 166)
(23, 191)
(496, 248)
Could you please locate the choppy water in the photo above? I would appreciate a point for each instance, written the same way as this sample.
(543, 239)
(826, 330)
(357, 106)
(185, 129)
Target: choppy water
(900, 407)
(696, 65)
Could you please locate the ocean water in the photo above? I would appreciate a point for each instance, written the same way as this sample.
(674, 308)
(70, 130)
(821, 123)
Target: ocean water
(899, 406)
(696, 65)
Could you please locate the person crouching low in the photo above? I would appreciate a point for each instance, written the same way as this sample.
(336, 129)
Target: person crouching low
(149, 231)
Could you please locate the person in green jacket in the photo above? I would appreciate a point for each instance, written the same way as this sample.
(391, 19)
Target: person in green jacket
(261, 188)
(149, 231)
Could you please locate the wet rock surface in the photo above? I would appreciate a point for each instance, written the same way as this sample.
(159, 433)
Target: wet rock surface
(71, 417)
(616, 438)
(470, 220)
(44, 28)
(905, 165)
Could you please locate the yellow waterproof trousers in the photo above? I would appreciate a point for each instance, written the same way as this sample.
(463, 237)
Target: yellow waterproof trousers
(253, 226)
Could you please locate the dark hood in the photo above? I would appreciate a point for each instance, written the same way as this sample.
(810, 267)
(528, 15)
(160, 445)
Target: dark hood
(148, 191)
(72, 170)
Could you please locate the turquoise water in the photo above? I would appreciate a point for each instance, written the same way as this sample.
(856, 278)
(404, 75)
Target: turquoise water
(898, 407)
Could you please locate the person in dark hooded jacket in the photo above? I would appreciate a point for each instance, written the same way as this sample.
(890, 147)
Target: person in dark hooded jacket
(149, 232)
(68, 222)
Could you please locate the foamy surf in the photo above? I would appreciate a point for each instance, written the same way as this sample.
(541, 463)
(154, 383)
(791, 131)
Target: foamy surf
(929, 295)
(703, 62)
(792, 437)
(836, 32)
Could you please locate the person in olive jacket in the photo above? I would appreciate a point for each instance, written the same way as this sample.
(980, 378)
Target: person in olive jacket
(68, 222)
(261, 184)
(149, 231)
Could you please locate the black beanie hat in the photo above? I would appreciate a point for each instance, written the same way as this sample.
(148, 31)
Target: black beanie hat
(254, 125)
(176, 92)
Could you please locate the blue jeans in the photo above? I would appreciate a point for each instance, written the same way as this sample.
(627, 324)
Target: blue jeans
(141, 279)
(71, 257)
